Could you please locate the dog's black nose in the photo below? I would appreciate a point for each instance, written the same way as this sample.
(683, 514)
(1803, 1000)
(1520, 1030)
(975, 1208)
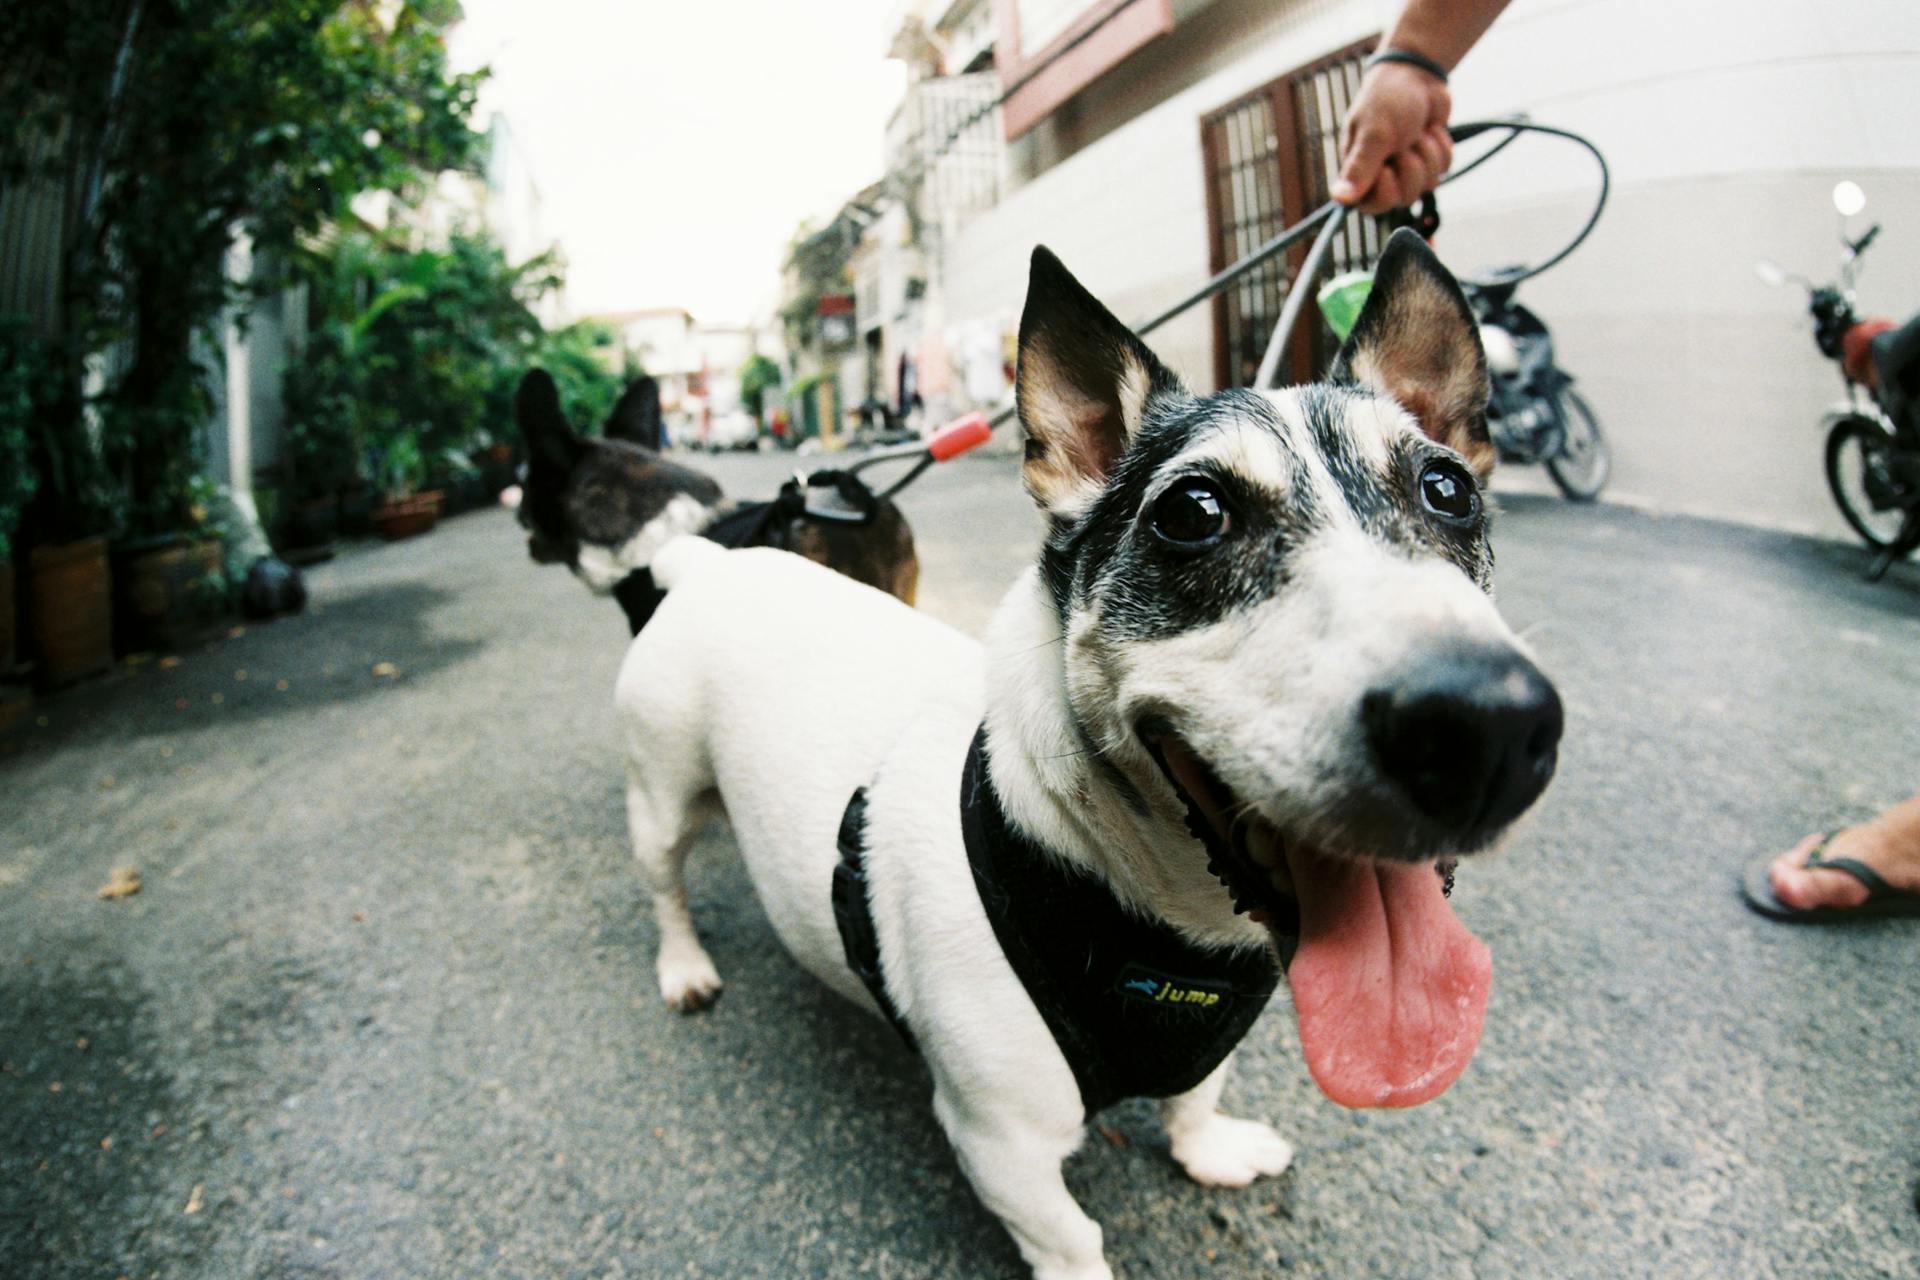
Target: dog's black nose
(1471, 734)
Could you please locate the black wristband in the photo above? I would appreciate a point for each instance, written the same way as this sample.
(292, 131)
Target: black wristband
(1412, 59)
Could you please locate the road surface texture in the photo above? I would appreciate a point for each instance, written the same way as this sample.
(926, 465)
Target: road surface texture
(384, 1007)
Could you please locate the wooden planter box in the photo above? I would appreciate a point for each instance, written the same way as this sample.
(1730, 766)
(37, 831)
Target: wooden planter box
(71, 606)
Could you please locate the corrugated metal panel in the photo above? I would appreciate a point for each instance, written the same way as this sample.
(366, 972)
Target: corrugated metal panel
(32, 212)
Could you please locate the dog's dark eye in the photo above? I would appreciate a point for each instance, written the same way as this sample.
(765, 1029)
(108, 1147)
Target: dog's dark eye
(1448, 491)
(1190, 514)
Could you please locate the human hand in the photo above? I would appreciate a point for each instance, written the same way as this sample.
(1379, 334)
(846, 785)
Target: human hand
(1395, 143)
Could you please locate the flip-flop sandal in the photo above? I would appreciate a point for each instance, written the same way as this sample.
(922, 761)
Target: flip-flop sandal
(1883, 900)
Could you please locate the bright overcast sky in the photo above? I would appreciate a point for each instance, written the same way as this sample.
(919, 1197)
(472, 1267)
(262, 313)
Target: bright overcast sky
(677, 145)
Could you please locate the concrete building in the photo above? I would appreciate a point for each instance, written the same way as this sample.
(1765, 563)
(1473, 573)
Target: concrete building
(945, 162)
(665, 343)
(1726, 125)
(723, 349)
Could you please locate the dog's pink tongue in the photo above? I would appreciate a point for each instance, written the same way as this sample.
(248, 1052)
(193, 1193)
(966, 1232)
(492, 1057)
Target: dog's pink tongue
(1388, 986)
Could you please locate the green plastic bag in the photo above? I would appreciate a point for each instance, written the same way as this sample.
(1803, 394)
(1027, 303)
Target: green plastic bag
(1341, 299)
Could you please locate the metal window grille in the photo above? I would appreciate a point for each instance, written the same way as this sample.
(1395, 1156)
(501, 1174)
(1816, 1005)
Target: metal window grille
(1270, 160)
(953, 149)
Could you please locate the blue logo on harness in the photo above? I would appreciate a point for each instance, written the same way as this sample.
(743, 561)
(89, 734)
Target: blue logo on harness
(1137, 982)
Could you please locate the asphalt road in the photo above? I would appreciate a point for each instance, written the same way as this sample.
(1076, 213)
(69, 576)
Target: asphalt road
(383, 1006)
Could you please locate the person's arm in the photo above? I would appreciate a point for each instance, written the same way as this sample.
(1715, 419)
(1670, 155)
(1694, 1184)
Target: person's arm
(1443, 30)
(1395, 142)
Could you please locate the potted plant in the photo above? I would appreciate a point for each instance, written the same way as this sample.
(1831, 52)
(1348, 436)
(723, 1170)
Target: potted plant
(170, 586)
(400, 469)
(322, 449)
(168, 567)
(457, 477)
(69, 609)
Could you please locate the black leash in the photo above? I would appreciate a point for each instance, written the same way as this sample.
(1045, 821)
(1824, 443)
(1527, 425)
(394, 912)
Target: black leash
(1426, 220)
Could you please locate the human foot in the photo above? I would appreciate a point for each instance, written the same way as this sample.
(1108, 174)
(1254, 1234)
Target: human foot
(1877, 861)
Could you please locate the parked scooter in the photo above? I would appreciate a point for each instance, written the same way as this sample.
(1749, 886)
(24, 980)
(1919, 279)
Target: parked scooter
(1873, 440)
(1534, 414)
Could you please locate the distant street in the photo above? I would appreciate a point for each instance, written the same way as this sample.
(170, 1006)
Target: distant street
(384, 1007)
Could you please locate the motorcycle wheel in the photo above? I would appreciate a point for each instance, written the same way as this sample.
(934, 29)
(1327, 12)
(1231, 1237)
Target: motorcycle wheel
(1584, 462)
(1859, 452)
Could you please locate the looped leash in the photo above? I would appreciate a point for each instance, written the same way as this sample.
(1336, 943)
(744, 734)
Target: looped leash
(1325, 220)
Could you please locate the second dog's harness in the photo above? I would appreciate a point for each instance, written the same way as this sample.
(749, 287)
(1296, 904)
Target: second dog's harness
(1136, 1009)
(748, 525)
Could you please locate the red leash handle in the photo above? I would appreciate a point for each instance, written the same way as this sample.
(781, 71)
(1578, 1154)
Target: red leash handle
(959, 436)
(949, 441)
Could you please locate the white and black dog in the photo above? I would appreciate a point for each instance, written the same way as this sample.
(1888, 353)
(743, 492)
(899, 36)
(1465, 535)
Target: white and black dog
(604, 507)
(1238, 720)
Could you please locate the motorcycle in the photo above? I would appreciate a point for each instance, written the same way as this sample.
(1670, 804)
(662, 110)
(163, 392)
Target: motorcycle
(1534, 414)
(1873, 436)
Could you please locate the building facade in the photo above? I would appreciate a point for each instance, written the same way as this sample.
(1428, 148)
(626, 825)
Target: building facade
(1154, 149)
(664, 341)
(946, 158)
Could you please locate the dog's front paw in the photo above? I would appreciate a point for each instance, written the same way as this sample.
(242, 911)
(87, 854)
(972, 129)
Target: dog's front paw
(1224, 1152)
(689, 983)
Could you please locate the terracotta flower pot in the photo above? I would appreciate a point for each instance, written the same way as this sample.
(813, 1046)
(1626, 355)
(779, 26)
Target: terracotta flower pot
(71, 605)
(407, 517)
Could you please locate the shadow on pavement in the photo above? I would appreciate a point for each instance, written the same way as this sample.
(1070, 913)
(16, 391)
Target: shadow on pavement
(335, 653)
(85, 1152)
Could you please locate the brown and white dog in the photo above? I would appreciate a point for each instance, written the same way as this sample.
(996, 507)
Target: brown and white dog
(603, 507)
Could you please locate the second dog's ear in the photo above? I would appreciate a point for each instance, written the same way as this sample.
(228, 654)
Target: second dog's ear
(1083, 383)
(536, 408)
(636, 418)
(1417, 342)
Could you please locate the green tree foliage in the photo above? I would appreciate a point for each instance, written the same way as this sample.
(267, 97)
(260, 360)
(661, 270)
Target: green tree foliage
(414, 364)
(574, 356)
(758, 376)
(173, 124)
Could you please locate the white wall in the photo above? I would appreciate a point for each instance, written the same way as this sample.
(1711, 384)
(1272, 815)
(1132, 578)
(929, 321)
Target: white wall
(1127, 212)
(1726, 125)
(1725, 122)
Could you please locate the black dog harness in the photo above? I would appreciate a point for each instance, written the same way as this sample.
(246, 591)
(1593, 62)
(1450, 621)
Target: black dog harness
(747, 525)
(1137, 1010)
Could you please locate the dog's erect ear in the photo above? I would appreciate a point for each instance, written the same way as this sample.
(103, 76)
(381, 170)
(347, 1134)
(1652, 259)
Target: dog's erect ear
(1416, 341)
(636, 418)
(1084, 381)
(550, 440)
